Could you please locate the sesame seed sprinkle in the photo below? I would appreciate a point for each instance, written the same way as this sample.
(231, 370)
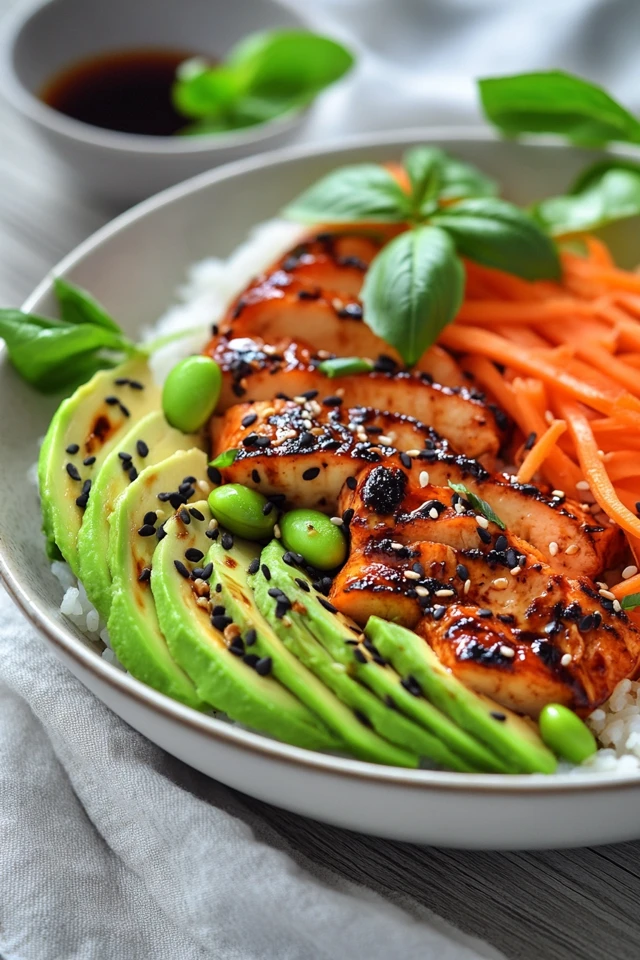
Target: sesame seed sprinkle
(500, 583)
(572, 549)
(337, 521)
(565, 660)
(482, 521)
(582, 485)
(445, 593)
(629, 571)
(607, 594)
(467, 586)
(410, 575)
(506, 651)
(617, 606)
(424, 478)
(558, 493)
(553, 548)
(422, 591)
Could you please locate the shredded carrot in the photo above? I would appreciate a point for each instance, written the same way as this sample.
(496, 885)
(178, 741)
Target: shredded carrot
(626, 587)
(540, 451)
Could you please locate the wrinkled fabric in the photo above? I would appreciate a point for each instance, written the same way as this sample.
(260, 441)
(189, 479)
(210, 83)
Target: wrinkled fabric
(111, 849)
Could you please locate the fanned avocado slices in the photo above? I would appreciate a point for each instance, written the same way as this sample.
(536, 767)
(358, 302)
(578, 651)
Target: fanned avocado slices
(84, 429)
(148, 442)
(234, 675)
(442, 741)
(133, 624)
(513, 737)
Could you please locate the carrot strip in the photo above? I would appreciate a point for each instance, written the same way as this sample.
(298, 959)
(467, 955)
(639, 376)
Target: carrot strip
(626, 587)
(558, 468)
(594, 470)
(597, 252)
(540, 451)
(622, 464)
(488, 377)
(498, 311)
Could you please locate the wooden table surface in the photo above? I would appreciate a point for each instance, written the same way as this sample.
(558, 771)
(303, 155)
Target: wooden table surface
(559, 905)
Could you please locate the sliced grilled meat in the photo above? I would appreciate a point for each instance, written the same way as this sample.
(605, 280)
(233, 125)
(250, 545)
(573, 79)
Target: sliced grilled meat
(278, 306)
(334, 261)
(306, 451)
(254, 370)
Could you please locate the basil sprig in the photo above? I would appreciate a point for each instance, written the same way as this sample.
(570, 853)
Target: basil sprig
(630, 602)
(603, 193)
(415, 285)
(53, 354)
(264, 76)
(479, 505)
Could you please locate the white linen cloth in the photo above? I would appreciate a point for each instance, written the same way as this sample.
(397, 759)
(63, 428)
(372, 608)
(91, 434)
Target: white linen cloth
(110, 849)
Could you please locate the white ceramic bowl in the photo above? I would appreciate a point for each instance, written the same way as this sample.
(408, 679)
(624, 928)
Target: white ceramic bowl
(42, 37)
(133, 266)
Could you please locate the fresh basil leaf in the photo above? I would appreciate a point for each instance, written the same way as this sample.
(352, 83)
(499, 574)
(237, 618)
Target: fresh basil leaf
(362, 192)
(459, 180)
(556, 102)
(203, 91)
(78, 306)
(479, 505)
(498, 234)
(224, 459)
(345, 366)
(424, 168)
(44, 351)
(288, 63)
(630, 602)
(607, 191)
(413, 289)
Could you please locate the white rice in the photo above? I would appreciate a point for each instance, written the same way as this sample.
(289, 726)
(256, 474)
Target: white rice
(209, 288)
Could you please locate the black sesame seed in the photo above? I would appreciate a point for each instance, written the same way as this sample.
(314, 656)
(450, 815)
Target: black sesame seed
(485, 612)
(195, 513)
(124, 410)
(136, 385)
(194, 555)
(161, 533)
(236, 647)
(263, 666)
(73, 448)
(145, 575)
(406, 460)
(507, 618)
(186, 490)
(82, 500)
(214, 475)
(352, 483)
(262, 443)
(142, 448)
(250, 637)
(266, 573)
(254, 566)
(361, 718)
(501, 544)
(150, 517)
(163, 497)
(132, 473)
(111, 401)
(212, 534)
(332, 402)
(390, 702)
(303, 584)
(86, 487)
(121, 381)
(311, 473)
(484, 535)
(587, 623)
(347, 516)
(438, 612)
(206, 572)
(530, 441)
(249, 420)
(255, 476)
(146, 530)
(182, 570)
(327, 606)
(411, 685)
(359, 655)
(124, 456)
(218, 620)
(268, 507)
(89, 461)
(498, 716)
(306, 439)
(462, 571)
(218, 611)
(250, 659)
(281, 609)
(73, 472)
(226, 540)
(185, 516)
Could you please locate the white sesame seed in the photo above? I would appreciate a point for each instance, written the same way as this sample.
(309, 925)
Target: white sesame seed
(482, 521)
(321, 354)
(601, 454)
(467, 586)
(203, 602)
(203, 485)
(340, 392)
(629, 571)
(410, 575)
(433, 513)
(337, 304)
(286, 621)
(337, 521)
(383, 438)
(553, 548)
(458, 508)
(549, 416)
(602, 585)
(422, 591)
(501, 583)
(445, 593)
(607, 594)
(617, 606)
(276, 532)
(438, 607)
(565, 660)
(572, 549)
(582, 485)
(424, 478)
(413, 453)
(514, 571)
(396, 546)
(557, 493)
(213, 524)
(506, 651)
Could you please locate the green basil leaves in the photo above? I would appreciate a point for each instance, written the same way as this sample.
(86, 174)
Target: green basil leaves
(556, 102)
(264, 76)
(55, 355)
(479, 505)
(605, 192)
(415, 285)
(413, 289)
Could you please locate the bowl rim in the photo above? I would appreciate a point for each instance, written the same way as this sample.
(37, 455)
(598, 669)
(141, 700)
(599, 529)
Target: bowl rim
(64, 641)
(41, 114)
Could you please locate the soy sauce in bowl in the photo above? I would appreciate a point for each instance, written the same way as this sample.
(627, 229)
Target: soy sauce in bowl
(128, 91)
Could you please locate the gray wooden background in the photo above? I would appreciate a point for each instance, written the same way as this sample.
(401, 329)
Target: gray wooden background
(567, 905)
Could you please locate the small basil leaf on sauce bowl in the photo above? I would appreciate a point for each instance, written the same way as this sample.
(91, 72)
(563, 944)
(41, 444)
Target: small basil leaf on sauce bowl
(360, 192)
(413, 289)
(605, 192)
(78, 306)
(201, 91)
(556, 102)
(500, 235)
(424, 169)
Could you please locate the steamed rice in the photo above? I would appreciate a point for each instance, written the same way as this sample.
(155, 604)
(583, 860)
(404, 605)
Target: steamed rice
(201, 301)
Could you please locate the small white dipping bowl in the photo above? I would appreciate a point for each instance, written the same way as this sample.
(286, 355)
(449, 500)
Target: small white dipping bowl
(40, 39)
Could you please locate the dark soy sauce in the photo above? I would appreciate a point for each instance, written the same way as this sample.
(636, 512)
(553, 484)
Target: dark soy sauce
(127, 91)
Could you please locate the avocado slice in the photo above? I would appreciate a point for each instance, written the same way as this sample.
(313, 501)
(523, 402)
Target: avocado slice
(366, 710)
(148, 442)
(443, 742)
(87, 425)
(222, 677)
(514, 738)
(133, 623)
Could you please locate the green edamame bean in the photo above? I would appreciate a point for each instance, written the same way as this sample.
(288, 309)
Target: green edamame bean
(312, 534)
(242, 511)
(565, 733)
(191, 392)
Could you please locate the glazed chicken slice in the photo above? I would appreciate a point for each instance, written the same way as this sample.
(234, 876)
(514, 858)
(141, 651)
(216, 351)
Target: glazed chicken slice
(255, 370)
(306, 449)
(334, 261)
(279, 306)
(495, 612)
(563, 531)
